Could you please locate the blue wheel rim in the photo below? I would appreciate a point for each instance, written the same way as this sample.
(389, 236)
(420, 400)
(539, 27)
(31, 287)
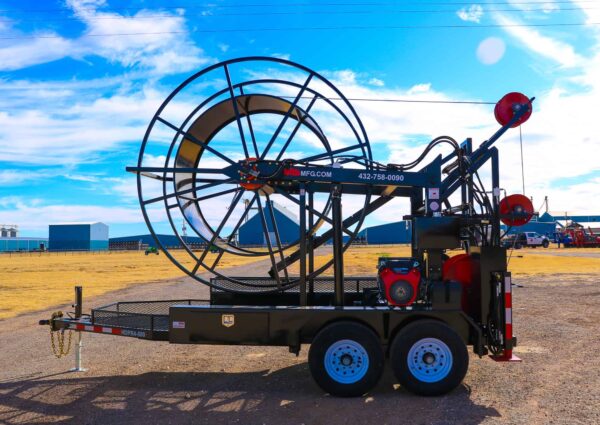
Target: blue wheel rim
(429, 360)
(346, 361)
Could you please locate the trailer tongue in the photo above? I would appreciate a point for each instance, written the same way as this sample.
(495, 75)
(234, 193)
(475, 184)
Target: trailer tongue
(421, 311)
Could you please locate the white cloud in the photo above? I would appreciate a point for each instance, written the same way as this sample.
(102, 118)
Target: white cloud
(376, 82)
(23, 54)
(490, 50)
(548, 47)
(534, 7)
(471, 14)
(169, 50)
(284, 56)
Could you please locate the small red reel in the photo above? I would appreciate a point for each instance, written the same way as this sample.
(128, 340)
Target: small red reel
(517, 206)
(507, 107)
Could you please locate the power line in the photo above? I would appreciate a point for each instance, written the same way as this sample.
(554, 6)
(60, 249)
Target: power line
(396, 100)
(293, 13)
(332, 28)
(301, 4)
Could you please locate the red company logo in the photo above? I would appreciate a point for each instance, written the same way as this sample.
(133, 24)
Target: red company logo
(295, 172)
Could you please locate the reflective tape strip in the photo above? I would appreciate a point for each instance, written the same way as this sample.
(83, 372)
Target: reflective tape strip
(97, 329)
(507, 301)
(507, 285)
(508, 317)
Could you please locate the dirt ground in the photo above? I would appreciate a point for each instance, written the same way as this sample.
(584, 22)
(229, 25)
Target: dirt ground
(557, 321)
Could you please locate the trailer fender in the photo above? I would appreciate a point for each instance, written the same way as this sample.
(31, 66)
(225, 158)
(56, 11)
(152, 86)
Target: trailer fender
(349, 318)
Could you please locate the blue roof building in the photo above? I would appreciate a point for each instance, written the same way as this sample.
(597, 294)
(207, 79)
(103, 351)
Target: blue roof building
(390, 233)
(251, 232)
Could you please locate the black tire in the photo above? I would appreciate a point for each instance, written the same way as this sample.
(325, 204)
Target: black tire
(545, 244)
(412, 345)
(341, 342)
(518, 246)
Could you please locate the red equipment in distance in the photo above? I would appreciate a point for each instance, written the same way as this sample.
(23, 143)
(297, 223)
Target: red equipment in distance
(505, 109)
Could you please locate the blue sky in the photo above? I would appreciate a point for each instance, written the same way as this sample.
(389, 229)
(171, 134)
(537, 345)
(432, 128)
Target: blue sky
(75, 99)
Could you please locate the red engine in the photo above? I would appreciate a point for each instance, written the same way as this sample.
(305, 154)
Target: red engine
(399, 280)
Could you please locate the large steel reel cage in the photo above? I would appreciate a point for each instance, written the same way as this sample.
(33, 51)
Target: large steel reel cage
(246, 89)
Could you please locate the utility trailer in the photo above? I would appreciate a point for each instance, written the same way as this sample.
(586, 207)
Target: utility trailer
(420, 311)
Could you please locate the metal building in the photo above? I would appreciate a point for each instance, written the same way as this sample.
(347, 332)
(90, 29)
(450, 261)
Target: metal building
(78, 237)
(141, 241)
(251, 232)
(390, 233)
(13, 244)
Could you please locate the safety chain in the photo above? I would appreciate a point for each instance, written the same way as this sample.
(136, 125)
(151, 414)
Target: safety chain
(60, 339)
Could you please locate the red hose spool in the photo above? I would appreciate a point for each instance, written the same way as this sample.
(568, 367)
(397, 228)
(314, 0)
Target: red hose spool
(507, 107)
(461, 268)
(516, 210)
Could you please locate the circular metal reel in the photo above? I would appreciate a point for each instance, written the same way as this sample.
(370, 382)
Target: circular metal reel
(507, 107)
(272, 115)
(516, 210)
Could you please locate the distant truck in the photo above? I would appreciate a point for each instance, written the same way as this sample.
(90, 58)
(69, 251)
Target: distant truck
(531, 239)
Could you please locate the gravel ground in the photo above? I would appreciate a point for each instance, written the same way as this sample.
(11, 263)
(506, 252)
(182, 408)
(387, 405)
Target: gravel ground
(131, 381)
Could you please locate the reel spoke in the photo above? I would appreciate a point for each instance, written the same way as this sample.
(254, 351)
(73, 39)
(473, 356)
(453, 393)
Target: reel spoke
(332, 153)
(186, 191)
(236, 110)
(250, 128)
(277, 236)
(235, 229)
(296, 128)
(315, 212)
(287, 115)
(234, 202)
(267, 238)
(196, 141)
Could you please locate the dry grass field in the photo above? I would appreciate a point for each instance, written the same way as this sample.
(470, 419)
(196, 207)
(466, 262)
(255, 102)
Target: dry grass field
(35, 282)
(30, 282)
(362, 260)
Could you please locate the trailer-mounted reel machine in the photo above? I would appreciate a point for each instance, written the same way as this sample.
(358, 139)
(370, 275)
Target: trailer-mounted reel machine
(271, 136)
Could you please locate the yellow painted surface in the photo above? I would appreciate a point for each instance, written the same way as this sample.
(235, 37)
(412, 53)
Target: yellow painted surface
(30, 282)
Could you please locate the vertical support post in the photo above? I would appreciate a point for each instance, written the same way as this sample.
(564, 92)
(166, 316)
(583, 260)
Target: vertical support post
(78, 301)
(302, 286)
(78, 313)
(311, 248)
(338, 245)
(416, 202)
(495, 198)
